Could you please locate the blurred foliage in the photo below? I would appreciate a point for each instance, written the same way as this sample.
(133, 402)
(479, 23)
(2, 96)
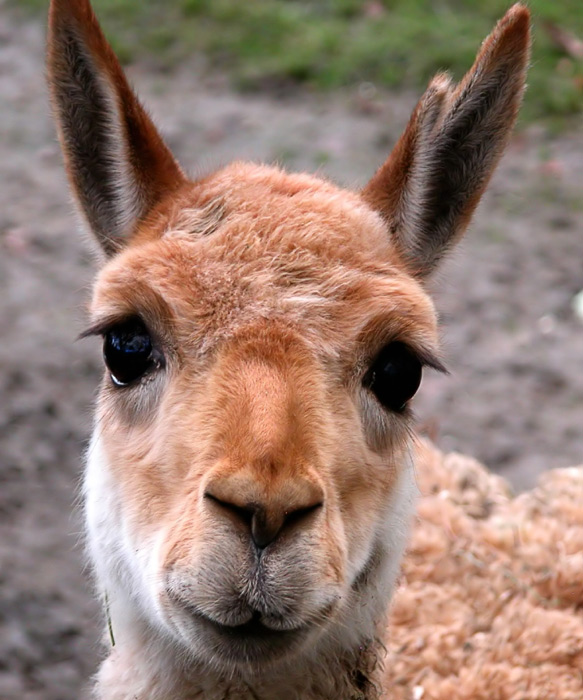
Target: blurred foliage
(326, 44)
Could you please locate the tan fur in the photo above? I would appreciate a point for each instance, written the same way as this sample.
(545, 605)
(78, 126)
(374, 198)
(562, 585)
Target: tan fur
(252, 480)
(490, 603)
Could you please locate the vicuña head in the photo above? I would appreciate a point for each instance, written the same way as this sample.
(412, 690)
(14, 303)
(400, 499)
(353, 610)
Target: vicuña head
(250, 478)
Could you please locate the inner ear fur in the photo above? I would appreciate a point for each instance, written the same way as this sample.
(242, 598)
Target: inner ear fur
(430, 185)
(117, 163)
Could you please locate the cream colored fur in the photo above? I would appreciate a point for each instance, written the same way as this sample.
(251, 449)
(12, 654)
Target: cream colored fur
(147, 663)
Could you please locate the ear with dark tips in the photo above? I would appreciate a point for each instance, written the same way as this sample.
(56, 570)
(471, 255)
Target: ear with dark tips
(116, 161)
(431, 183)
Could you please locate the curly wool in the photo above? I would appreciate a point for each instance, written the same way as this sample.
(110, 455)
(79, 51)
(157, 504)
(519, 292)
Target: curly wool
(490, 602)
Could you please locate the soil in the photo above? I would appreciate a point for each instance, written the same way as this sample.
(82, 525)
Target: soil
(513, 338)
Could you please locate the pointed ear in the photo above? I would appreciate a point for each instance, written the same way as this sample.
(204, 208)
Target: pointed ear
(430, 185)
(117, 163)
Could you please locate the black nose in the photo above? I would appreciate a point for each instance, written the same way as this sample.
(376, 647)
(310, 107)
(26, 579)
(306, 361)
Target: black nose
(264, 524)
(265, 529)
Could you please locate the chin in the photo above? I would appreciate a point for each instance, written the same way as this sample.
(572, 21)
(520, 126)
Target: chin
(236, 649)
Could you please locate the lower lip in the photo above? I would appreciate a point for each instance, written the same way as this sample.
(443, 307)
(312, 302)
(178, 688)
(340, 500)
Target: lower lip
(248, 632)
(251, 643)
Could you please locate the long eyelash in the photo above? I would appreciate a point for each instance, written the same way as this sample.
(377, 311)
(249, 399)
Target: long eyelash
(428, 359)
(104, 326)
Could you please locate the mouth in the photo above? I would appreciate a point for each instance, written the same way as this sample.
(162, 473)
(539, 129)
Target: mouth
(254, 629)
(251, 642)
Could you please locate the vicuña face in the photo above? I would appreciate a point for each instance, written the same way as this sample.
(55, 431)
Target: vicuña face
(249, 480)
(262, 344)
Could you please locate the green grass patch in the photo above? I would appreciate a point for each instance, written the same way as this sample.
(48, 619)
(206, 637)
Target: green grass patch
(326, 44)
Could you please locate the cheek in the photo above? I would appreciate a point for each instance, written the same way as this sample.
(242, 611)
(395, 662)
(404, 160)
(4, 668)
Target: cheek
(122, 551)
(103, 510)
(152, 454)
(365, 482)
(132, 486)
(148, 466)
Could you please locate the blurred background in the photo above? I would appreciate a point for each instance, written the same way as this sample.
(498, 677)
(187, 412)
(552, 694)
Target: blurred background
(323, 85)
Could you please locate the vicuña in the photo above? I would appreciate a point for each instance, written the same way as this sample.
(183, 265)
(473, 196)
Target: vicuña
(250, 479)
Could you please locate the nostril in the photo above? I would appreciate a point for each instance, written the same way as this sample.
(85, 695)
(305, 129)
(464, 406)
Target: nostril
(242, 513)
(264, 523)
(266, 526)
(300, 513)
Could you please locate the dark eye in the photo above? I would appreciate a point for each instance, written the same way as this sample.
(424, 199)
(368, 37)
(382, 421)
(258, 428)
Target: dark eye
(128, 352)
(394, 376)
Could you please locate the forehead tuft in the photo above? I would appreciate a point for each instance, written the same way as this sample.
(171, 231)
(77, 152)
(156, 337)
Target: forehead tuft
(253, 242)
(264, 202)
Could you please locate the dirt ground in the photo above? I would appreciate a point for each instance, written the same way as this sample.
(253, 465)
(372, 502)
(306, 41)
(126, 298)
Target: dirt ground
(513, 341)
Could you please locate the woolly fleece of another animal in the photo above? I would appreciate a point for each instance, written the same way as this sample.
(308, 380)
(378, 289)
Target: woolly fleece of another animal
(490, 605)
